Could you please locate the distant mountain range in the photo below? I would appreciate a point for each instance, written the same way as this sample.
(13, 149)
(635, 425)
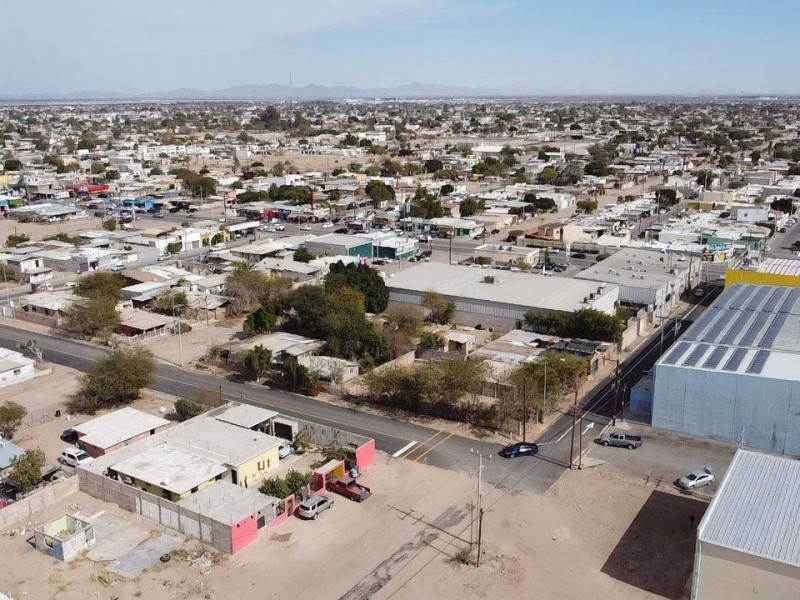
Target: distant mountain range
(270, 91)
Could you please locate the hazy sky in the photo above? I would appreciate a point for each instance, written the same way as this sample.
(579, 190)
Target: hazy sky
(557, 46)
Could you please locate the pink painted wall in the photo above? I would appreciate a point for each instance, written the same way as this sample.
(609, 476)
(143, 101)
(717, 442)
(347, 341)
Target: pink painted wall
(95, 451)
(365, 455)
(243, 533)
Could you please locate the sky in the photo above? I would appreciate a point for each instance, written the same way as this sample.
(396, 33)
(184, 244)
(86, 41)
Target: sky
(503, 46)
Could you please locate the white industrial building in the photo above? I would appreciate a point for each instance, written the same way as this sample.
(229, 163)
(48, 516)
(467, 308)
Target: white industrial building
(646, 277)
(15, 368)
(747, 543)
(734, 375)
(499, 298)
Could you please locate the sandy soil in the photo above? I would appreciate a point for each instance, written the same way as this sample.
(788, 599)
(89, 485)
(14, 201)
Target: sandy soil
(592, 535)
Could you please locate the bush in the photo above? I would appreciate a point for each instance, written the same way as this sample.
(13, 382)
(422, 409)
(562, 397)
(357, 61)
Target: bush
(335, 453)
(440, 309)
(602, 256)
(431, 340)
(275, 487)
(11, 416)
(586, 323)
(262, 320)
(26, 470)
(197, 404)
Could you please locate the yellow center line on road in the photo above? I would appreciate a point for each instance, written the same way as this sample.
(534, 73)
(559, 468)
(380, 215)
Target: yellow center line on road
(421, 446)
(432, 448)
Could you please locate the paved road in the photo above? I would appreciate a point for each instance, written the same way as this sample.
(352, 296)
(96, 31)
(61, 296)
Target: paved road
(422, 444)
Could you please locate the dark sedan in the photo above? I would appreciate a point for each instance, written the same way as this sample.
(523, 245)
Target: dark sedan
(519, 449)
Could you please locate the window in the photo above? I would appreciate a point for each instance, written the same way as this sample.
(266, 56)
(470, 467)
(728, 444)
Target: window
(234, 477)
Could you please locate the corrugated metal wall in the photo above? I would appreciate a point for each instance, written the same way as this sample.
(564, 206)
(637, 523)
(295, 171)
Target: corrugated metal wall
(761, 412)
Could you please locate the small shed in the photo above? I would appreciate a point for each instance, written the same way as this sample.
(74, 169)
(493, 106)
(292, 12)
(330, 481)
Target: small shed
(64, 537)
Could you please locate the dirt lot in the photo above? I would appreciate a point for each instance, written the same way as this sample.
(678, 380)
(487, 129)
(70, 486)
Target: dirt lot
(46, 394)
(592, 535)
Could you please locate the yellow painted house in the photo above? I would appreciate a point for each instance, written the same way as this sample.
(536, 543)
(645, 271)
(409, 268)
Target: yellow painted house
(193, 457)
(169, 472)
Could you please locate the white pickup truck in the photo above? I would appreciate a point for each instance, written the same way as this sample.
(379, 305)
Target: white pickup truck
(624, 440)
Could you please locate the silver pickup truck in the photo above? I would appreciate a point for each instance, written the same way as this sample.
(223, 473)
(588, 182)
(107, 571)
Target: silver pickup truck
(616, 438)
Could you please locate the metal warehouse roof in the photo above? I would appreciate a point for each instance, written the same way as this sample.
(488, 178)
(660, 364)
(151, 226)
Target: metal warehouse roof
(508, 287)
(757, 508)
(750, 329)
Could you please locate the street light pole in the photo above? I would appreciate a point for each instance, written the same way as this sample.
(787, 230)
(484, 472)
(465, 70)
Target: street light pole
(480, 503)
(574, 426)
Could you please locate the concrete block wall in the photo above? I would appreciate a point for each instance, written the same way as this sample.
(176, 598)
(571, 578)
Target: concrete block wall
(38, 501)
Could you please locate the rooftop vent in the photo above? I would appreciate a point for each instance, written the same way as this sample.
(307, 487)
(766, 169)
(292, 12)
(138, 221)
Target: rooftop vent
(489, 279)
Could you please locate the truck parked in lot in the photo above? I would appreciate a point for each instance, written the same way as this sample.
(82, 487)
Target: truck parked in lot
(349, 488)
(625, 440)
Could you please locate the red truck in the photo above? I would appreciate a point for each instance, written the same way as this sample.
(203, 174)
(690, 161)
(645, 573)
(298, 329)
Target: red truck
(349, 488)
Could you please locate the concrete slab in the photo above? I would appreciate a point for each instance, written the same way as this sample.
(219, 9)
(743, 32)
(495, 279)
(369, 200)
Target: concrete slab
(145, 555)
(120, 542)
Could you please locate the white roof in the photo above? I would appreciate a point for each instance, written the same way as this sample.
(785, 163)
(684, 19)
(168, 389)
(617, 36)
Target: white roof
(521, 289)
(170, 468)
(118, 426)
(757, 508)
(245, 415)
(227, 502)
(223, 442)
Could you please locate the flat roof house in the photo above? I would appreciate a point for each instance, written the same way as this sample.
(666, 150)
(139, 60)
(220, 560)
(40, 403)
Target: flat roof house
(747, 542)
(248, 454)
(117, 429)
(170, 472)
(496, 298)
(14, 367)
(337, 244)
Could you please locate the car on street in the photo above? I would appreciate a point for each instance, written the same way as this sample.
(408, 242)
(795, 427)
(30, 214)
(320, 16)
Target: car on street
(519, 449)
(327, 225)
(579, 255)
(280, 227)
(158, 215)
(701, 290)
(164, 256)
(311, 507)
(782, 230)
(349, 488)
(623, 440)
(495, 231)
(305, 227)
(117, 267)
(697, 478)
(342, 230)
(75, 457)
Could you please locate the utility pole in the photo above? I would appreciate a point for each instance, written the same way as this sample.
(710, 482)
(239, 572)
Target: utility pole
(480, 503)
(574, 425)
(616, 395)
(450, 257)
(524, 408)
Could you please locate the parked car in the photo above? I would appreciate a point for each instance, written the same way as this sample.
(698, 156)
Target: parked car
(796, 244)
(782, 230)
(495, 231)
(327, 225)
(158, 215)
(579, 255)
(69, 436)
(285, 450)
(342, 230)
(624, 440)
(700, 291)
(75, 457)
(117, 267)
(280, 227)
(349, 488)
(164, 256)
(519, 449)
(311, 507)
(696, 479)
(305, 227)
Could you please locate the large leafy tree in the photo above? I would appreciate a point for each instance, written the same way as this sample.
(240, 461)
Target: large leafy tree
(425, 205)
(117, 379)
(361, 278)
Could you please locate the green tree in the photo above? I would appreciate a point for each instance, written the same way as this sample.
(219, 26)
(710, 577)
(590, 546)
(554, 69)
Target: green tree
(298, 481)
(275, 487)
(425, 205)
(361, 278)
(440, 309)
(548, 176)
(335, 453)
(92, 317)
(26, 470)
(586, 206)
(98, 168)
(403, 324)
(110, 224)
(196, 404)
(446, 189)
(117, 379)
(11, 416)
(471, 206)
(170, 302)
(100, 284)
(431, 340)
(303, 255)
(14, 240)
(256, 362)
(271, 118)
(12, 164)
(261, 320)
(433, 165)
(379, 191)
(586, 323)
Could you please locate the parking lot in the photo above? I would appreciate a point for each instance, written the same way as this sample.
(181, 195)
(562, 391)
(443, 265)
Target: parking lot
(663, 457)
